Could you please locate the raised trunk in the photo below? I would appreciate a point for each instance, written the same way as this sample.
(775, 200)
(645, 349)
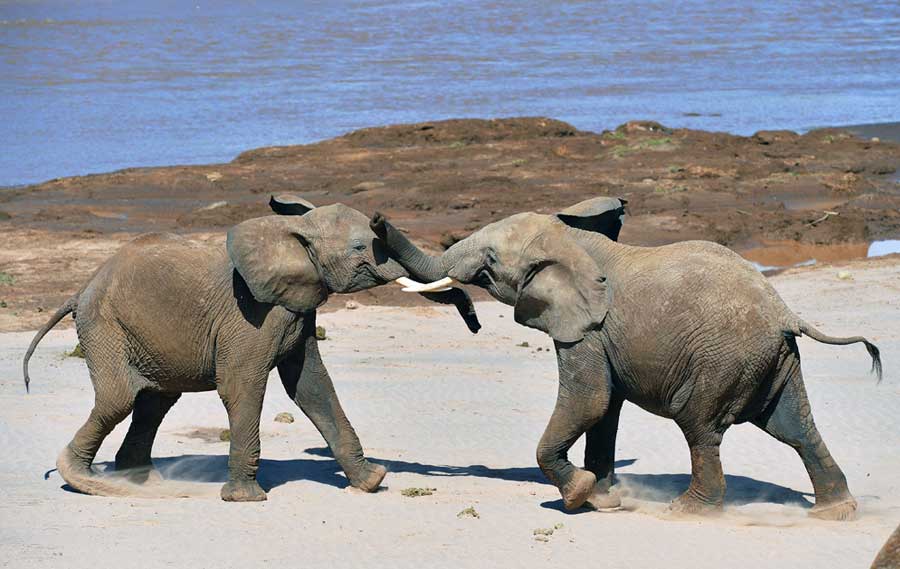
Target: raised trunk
(426, 268)
(420, 265)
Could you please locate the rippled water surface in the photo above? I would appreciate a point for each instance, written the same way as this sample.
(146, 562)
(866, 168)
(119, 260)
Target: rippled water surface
(93, 86)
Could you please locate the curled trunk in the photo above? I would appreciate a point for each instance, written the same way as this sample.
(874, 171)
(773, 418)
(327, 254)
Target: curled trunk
(421, 266)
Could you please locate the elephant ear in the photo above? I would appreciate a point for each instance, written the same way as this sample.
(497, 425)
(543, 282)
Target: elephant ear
(600, 215)
(563, 294)
(289, 204)
(273, 256)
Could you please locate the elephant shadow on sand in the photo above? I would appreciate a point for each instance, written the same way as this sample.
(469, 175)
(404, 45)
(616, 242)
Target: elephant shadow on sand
(649, 487)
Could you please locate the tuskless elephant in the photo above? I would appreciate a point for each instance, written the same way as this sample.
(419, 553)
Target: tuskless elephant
(688, 331)
(166, 315)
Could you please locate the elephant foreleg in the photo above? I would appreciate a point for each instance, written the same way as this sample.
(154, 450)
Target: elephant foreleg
(583, 398)
(600, 455)
(307, 382)
(134, 454)
(242, 392)
(706, 492)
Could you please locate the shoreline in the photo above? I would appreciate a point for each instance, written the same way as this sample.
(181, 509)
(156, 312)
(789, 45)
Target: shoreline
(887, 131)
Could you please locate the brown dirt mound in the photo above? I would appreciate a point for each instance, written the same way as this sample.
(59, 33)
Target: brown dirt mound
(442, 180)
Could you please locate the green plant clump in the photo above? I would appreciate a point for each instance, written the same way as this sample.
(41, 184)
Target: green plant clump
(417, 492)
(469, 512)
(76, 352)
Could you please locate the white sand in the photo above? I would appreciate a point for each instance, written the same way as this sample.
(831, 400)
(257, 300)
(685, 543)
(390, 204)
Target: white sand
(460, 413)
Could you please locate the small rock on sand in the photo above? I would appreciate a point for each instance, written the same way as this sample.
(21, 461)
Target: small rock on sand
(543, 534)
(366, 187)
(284, 417)
(214, 205)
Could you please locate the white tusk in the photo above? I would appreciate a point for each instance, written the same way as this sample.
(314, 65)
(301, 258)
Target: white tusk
(410, 285)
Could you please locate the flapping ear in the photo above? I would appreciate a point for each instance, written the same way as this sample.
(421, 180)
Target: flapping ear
(600, 215)
(563, 294)
(274, 257)
(289, 204)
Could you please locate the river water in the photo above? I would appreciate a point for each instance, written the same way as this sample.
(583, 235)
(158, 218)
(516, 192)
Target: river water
(95, 86)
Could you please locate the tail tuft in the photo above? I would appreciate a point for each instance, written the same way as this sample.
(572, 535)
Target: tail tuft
(875, 353)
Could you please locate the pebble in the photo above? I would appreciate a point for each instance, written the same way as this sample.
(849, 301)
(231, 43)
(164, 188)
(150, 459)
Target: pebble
(284, 417)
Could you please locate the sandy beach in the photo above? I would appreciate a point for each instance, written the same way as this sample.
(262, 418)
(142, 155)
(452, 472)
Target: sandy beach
(461, 414)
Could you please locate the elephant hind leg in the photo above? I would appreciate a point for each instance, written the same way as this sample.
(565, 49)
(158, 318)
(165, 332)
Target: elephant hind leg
(134, 455)
(789, 419)
(114, 400)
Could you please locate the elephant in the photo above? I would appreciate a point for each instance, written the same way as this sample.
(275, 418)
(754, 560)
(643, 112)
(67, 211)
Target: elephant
(166, 315)
(889, 555)
(688, 331)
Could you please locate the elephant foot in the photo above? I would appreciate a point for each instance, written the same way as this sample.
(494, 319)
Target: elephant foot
(603, 499)
(578, 489)
(243, 491)
(369, 478)
(77, 472)
(841, 510)
(690, 505)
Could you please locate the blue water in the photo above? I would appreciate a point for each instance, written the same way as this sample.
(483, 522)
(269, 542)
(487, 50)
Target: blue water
(95, 86)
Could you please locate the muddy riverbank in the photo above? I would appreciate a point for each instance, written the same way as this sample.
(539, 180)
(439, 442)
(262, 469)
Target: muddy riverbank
(778, 197)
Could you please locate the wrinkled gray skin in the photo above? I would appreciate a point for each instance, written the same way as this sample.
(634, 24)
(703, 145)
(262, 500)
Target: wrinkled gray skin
(688, 331)
(166, 315)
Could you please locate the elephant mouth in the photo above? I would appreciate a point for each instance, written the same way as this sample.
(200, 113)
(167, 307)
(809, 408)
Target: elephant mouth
(484, 279)
(365, 277)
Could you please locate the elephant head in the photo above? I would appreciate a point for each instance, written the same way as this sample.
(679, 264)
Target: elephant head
(297, 258)
(537, 263)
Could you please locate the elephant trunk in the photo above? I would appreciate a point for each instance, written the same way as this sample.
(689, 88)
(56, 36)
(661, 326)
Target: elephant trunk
(422, 266)
(390, 271)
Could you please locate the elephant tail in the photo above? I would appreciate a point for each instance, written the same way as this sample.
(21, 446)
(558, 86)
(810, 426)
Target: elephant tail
(818, 336)
(69, 306)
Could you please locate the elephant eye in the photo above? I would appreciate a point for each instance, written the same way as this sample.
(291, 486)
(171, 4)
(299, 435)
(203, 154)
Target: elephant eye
(360, 247)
